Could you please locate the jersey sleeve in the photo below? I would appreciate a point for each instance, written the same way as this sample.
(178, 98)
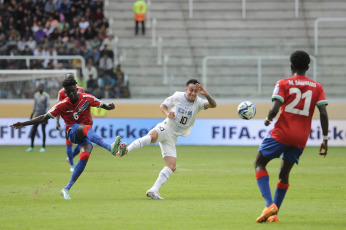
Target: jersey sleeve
(322, 100)
(93, 101)
(279, 92)
(55, 110)
(169, 101)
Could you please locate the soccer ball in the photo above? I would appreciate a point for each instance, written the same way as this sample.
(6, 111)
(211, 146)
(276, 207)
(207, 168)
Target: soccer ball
(246, 110)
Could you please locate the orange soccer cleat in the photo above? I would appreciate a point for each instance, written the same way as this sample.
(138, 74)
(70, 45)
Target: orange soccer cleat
(267, 212)
(273, 218)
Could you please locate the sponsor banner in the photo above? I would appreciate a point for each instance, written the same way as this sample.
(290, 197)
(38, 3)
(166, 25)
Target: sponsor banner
(204, 132)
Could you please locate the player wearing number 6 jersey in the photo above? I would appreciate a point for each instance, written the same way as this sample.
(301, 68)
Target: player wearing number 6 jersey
(75, 110)
(181, 109)
(297, 97)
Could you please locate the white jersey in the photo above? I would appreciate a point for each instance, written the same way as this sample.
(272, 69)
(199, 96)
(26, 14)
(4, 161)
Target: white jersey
(185, 113)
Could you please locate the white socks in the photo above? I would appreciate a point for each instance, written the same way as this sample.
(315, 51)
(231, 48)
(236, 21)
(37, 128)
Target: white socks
(163, 177)
(139, 143)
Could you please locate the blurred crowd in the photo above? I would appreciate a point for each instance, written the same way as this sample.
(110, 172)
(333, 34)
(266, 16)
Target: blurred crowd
(50, 28)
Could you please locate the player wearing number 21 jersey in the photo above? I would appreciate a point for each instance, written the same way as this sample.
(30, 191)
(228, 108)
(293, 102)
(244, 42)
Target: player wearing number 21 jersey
(181, 109)
(297, 98)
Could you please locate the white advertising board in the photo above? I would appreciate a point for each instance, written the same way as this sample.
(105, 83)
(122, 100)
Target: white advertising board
(204, 132)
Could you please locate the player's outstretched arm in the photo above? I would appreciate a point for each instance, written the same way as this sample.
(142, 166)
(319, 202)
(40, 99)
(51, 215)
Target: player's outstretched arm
(36, 120)
(324, 124)
(211, 102)
(108, 106)
(273, 111)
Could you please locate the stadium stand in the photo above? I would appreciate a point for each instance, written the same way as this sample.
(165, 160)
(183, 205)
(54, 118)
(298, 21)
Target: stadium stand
(218, 29)
(53, 28)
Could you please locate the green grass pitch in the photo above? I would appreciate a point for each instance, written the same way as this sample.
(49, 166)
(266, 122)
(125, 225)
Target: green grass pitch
(213, 188)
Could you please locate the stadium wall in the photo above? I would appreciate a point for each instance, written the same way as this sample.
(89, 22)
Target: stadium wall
(150, 109)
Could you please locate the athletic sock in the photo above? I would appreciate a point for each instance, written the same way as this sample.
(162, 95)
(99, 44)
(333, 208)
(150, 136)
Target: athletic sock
(280, 192)
(163, 177)
(76, 151)
(69, 154)
(79, 168)
(89, 132)
(262, 177)
(139, 143)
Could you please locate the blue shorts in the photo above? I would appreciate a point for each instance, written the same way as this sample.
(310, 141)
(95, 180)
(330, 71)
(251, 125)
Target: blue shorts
(271, 148)
(73, 137)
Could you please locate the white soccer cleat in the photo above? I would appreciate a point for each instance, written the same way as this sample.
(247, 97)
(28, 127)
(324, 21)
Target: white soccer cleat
(66, 194)
(67, 160)
(154, 195)
(72, 168)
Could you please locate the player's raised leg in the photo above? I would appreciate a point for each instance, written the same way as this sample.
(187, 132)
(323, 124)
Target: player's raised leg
(87, 131)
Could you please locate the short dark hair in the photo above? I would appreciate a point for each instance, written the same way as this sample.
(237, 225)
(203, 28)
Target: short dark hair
(69, 82)
(193, 81)
(300, 60)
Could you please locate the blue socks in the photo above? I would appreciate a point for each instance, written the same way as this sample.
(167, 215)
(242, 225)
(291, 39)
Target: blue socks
(79, 168)
(98, 140)
(69, 154)
(262, 177)
(280, 192)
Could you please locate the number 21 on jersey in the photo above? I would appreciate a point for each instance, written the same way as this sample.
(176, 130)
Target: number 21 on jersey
(299, 96)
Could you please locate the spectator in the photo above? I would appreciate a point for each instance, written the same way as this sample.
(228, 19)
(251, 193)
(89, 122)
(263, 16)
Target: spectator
(50, 7)
(83, 25)
(63, 7)
(40, 34)
(21, 43)
(31, 43)
(95, 43)
(118, 72)
(88, 14)
(98, 15)
(96, 55)
(140, 10)
(106, 64)
(27, 51)
(107, 85)
(90, 70)
(89, 34)
(91, 85)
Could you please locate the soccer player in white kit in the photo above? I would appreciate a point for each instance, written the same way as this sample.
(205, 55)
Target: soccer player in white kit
(181, 109)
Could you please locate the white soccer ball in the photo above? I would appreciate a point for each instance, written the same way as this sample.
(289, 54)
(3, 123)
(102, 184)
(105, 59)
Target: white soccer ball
(246, 110)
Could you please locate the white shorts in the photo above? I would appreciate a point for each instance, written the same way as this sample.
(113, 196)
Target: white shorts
(167, 140)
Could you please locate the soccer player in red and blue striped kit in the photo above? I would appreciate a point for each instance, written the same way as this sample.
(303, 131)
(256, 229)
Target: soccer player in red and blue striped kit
(75, 110)
(297, 97)
(70, 154)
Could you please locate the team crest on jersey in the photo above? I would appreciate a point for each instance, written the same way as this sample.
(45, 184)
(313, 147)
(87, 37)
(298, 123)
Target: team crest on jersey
(81, 109)
(185, 112)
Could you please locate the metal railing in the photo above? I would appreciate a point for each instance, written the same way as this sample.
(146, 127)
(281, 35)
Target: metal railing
(317, 21)
(243, 6)
(259, 66)
(27, 58)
